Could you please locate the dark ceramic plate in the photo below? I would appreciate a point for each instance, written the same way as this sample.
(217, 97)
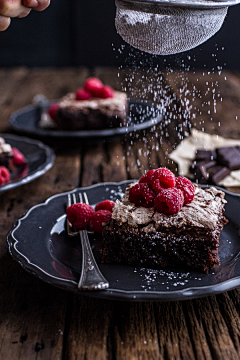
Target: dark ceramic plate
(40, 159)
(40, 244)
(141, 116)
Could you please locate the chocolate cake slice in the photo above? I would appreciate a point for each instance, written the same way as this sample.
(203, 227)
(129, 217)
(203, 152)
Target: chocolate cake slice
(143, 236)
(95, 113)
(5, 153)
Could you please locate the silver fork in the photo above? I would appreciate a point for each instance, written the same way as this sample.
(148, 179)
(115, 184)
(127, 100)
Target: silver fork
(91, 277)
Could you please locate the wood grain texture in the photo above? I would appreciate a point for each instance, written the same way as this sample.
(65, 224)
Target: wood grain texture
(38, 321)
(210, 100)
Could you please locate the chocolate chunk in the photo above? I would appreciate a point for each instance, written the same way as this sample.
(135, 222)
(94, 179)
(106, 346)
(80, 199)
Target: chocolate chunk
(229, 156)
(203, 154)
(200, 170)
(217, 173)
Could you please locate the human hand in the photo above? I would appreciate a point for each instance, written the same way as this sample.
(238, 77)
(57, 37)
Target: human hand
(18, 8)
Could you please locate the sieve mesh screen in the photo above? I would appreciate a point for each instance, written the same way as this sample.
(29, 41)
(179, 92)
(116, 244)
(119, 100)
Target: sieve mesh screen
(166, 30)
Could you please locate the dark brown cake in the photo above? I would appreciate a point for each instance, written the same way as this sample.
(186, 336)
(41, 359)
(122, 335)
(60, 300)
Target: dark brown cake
(143, 236)
(92, 114)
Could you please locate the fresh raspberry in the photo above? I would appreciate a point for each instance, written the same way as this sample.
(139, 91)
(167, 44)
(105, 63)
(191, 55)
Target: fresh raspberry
(93, 85)
(99, 219)
(83, 94)
(169, 201)
(165, 176)
(187, 188)
(105, 92)
(105, 205)
(79, 214)
(52, 111)
(156, 185)
(4, 175)
(146, 178)
(2, 180)
(159, 179)
(141, 194)
(18, 158)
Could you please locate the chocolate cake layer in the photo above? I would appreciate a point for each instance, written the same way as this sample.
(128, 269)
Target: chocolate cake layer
(92, 114)
(143, 236)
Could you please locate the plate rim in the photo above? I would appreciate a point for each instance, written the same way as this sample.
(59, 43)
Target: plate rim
(41, 170)
(85, 134)
(190, 292)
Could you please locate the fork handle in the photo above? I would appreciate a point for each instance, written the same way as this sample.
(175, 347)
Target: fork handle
(91, 277)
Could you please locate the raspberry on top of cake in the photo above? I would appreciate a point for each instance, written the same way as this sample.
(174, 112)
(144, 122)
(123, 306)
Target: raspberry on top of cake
(94, 106)
(163, 220)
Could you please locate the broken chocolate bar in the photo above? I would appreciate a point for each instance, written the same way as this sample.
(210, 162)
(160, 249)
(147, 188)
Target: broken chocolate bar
(229, 156)
(203, 154)
(200, 170)
(217, 173)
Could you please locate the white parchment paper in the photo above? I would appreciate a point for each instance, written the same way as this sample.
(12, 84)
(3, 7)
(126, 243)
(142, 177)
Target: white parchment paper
(184, 154)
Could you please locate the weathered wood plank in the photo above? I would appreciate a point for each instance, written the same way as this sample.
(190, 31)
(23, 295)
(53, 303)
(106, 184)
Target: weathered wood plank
(114, 168)
(135, 332)
(22, 85)
(174, 338)
(93, 158)
(216, 331)
(37, 320)
(211, 100)
(32, 315)
(89, 321)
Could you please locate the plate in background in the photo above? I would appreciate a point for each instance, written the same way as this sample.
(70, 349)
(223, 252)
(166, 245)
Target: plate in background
(39, 156)
(141, 116)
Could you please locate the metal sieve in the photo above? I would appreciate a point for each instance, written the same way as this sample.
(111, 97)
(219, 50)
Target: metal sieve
(165, 27)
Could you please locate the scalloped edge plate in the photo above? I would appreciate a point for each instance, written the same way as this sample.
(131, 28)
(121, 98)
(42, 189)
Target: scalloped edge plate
(32, 150)
(51, 261)
(25, 120)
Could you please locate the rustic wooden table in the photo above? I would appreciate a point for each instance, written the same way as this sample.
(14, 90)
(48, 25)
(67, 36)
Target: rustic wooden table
(38, 320)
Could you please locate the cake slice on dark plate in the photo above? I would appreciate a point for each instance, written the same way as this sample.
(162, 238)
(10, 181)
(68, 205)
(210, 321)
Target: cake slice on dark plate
(163, 221)
(93, 107)
(13, 164)
(5, 153)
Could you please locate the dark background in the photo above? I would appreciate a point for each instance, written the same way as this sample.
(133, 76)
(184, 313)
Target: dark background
(82, 33)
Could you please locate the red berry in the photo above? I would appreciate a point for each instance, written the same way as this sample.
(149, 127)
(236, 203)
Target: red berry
(93, 85)
(156, 185)
(4, 175)
(159, 179)
(141, 194)
(187, 188)
(99, 219)
(105, 92)
(169, 201)
(2, 180)
(146, 178)
(83, 94)
(18, 158)
(79, 214)
(52, 110)
(165, 176)
(105, 205)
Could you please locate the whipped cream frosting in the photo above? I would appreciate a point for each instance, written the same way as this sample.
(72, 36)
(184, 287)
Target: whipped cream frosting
(202, 212)
(116, 103)
(5, 149)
